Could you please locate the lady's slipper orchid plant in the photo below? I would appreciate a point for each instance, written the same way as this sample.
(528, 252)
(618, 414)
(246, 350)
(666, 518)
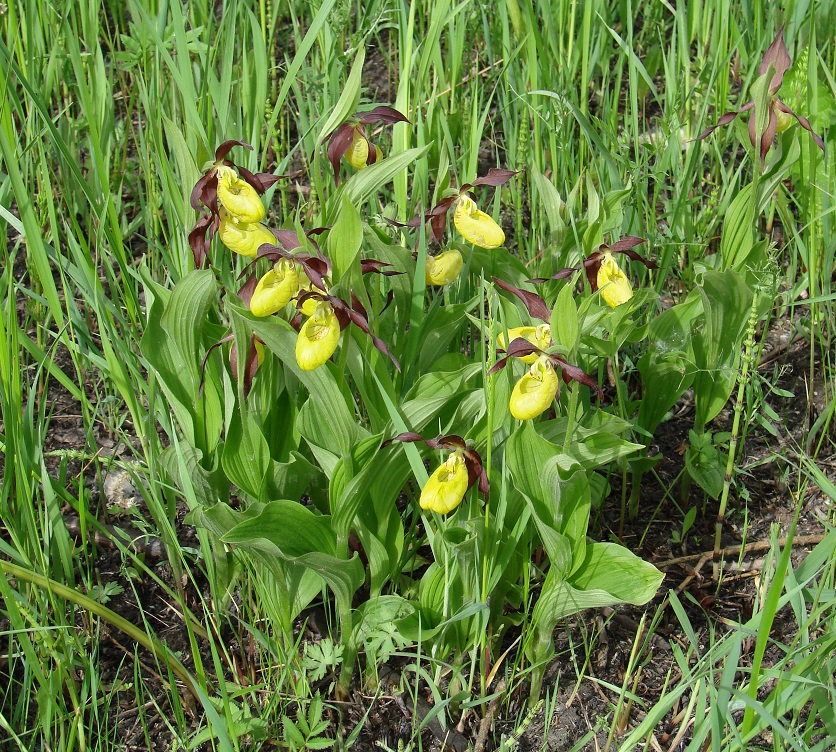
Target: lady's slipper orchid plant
(539, 385)
(474, 225)
(446, 487)
(604, 273)
(780, 116)
(237, 191)
(349, 140)
(307, 304)
(320, 334)
(286, 245)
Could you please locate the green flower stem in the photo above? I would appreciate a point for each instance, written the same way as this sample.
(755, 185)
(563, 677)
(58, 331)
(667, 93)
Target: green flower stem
(570, 415)
(621, 412)
(488, 360)
(160, 651)
(743, 379)
(349, 650)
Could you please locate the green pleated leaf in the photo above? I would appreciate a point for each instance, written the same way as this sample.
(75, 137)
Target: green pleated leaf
(345, 239)
(187, 309)
(499, 263)
(291, 532)
(666, 376)
(289, 480)
(727, 300)
(564, 319)
(549, 198)
(173, 344)
(561, 518)
(183, 465)
(438, 331)
(609, 574)
(246, 455)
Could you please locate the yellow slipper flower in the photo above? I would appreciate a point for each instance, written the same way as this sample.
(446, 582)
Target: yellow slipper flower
(447, 486)
(613, 283)
(243, 238)
(238, 197)
(357, 154)
(443, 268)
(275, 289)
(475, 226)
(539, 336)
(318, 338)
(535, 391)
(784, 121)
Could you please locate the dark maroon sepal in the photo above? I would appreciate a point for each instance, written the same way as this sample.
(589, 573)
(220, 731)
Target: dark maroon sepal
(494, 177)
(226, 147)
(260, 181)
(382, 114)
(573, 373)
(338, 144)
(247, 289)
(533, 302)
(778, 57)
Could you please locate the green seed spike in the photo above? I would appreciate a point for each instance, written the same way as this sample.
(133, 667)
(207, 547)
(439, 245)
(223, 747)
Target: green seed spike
(742, 380)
